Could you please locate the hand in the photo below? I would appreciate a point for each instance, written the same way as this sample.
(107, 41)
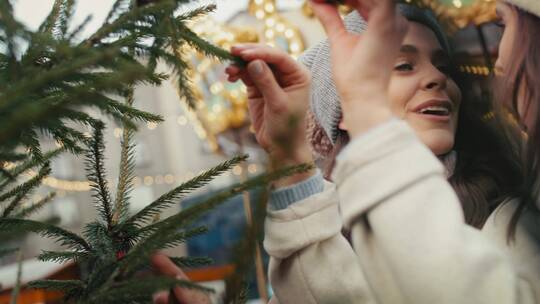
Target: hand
(362, 64)
(278, 99)
(166, 267)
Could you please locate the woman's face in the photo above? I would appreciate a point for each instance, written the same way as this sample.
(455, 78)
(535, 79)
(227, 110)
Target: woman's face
(508, 21)
(421, 91)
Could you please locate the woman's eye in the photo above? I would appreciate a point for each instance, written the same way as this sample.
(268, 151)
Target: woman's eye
(404, 67)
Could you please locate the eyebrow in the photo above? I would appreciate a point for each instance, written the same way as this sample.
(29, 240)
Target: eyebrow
(438, 54)
(407, 48)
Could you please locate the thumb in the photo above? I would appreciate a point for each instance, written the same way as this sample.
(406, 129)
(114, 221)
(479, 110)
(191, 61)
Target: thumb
(263, 78)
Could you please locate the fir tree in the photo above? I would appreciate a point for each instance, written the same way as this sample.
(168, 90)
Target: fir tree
(45, 88)
(117, 244)
(49, 77)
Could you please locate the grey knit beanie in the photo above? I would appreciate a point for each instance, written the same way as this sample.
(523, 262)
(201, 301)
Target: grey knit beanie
(531, 6)
(325, 103)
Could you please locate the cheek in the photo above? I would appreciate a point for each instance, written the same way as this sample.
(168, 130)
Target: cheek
(505, 46)
(401, 90)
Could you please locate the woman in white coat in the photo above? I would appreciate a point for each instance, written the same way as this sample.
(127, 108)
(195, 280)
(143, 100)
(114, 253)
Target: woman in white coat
(409, 240)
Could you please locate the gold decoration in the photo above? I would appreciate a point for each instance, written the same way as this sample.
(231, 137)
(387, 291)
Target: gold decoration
(455, 14)
(461, 13)
(222, 106)
(308, 11)
(475, 70)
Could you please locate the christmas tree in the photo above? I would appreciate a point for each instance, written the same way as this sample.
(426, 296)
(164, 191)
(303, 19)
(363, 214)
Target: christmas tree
(49, 77)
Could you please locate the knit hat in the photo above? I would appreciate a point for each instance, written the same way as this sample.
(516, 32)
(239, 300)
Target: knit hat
(325, 103)
(531, 6)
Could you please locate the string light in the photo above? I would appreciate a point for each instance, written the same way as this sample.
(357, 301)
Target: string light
(152, 125)
(237, 170)
(181, 120)
(118, 132)
(252, 168)
(169, 179)
(457, 3)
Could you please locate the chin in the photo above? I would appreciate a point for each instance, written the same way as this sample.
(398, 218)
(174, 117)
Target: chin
(440, 142)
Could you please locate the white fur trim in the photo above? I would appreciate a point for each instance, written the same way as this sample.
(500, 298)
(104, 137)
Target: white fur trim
(532, 6)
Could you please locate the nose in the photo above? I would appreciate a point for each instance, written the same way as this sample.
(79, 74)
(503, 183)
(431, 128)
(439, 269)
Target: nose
(435, 79)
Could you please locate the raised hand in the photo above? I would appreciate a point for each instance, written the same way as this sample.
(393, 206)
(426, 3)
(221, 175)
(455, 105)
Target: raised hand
(278, 96)
(362, 64)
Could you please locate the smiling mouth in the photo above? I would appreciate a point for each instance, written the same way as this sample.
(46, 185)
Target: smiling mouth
(440, 108)
(437, 111)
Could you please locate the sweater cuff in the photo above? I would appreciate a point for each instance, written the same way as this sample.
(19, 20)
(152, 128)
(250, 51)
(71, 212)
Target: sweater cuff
(283, 197)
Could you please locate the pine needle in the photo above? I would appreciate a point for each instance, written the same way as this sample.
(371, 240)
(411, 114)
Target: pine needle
(26, 212)
(23, 190)
(191, 262)
(171, 197)
(142, 290)
(62, 236)
(126, 173)
(95, 162)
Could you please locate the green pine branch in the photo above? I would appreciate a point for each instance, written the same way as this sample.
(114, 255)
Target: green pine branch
(71, 288)
(11, 175)
(158, 234)
(63, 256)
(167, 238)
(23, 190)
(14, 234)
(118, 8)
(102, 273)
(29, 140)
(43, 89)
(191, 262)
(171, 197)
(95, 161)
(35, 207)
(61, 236)
(11, 156)
(27, 186)
(137, 290)
(58, 19)
(127, 171)
(189, 215)
(56, 73)
(97, 234)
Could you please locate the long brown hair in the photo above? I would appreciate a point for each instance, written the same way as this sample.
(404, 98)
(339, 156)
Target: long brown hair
(522, 85)
(488, 168)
